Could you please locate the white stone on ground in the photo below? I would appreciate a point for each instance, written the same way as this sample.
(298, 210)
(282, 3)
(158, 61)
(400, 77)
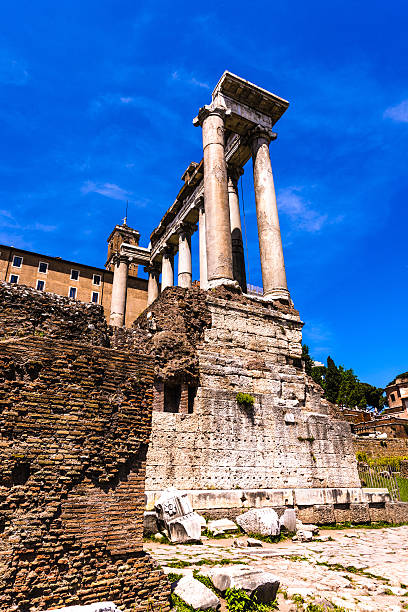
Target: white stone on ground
(288, 519)
(253, 581)
(196, 594)
(264, 521)
(222, 526)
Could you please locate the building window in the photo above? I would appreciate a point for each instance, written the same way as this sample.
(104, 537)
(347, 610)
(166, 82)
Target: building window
(172, 396)
(17, 261)
(95, 297)
(96, 279)
(40, 285)
(43, 267)
(14, 279)
(392, 397)
(75, 275)
(72, 293)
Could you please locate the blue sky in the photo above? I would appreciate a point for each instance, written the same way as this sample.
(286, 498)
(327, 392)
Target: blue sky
(96, 108)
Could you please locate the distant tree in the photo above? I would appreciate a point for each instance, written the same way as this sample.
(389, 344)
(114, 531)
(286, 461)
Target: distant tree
(374, 396)
(307, 359)
(332, 381)
(348, 383)
(319, 375)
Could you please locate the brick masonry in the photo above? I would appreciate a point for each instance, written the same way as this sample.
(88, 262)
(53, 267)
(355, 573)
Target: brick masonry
(75, 423)
(381, 448)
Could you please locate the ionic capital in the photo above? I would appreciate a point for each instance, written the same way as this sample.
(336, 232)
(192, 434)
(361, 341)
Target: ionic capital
(208, 110)
(153, 268)
(199, 204)
(119, 258)
(260, 132)
(169, 250)
(185, 229)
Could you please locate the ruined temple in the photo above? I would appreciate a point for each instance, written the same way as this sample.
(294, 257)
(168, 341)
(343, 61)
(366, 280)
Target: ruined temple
(206, 392)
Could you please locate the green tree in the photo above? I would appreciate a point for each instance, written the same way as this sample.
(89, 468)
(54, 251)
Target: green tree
(307, 359)
(332, 381)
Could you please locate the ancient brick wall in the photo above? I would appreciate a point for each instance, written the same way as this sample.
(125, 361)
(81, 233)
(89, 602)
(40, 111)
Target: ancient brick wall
(75, 421)
(25, 312)
(290, 439)
(381, 448)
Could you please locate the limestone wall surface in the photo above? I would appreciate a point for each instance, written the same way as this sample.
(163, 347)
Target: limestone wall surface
(75, 421)
(291, 438)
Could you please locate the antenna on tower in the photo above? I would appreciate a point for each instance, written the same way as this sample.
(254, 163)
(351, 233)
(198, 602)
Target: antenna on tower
(126, 213)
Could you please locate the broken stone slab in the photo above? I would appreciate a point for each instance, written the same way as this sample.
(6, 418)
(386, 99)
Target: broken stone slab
(303, 535)
(176, 516)
(196, 594)
(264, 521)
(203, 522)
(288, 520)
(254, 543)
(253, 581)
(313, 528)
(221, 526)
(102, 606)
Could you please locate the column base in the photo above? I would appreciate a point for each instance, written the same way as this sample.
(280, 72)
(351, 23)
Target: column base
(117, 319)
(227, 282)
(278, 293)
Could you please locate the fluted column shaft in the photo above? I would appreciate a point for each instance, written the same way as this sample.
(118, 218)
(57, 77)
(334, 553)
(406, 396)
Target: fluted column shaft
(238, 257)
(119, 291)
(202, 246)
(167, 268)
(217, 223)
(270, 242)
(184, 261)
(153, 288)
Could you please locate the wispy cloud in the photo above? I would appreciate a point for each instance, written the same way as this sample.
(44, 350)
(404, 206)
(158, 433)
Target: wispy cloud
(318, 336)
(109, 190)
(300, 210)
(12, 71)
(188, 79)
(398, 113)
(113, 192)
(9, 222)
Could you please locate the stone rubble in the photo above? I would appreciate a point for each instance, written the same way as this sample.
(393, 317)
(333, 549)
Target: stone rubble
(176, 516)
(365, 572)
(221, 526)
(262, 521)
(196, 594)
(255, 582)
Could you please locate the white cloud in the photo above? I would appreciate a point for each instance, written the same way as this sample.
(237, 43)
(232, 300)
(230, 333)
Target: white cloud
(109, 190)
(126, 100)
(398, 113)
(188, 79)
(299, 210)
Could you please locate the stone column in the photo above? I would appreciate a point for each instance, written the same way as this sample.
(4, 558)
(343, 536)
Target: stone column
(202, 245)
(270, 243)
(184, 261)
(238, 257)
(167, 268)
(217, 223)
(153, 289)
(119, 290)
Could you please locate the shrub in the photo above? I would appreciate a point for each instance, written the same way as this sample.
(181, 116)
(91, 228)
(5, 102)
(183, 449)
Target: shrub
(245, 399)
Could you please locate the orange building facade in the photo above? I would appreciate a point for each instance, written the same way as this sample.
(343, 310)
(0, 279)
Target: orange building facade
(75, 280)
